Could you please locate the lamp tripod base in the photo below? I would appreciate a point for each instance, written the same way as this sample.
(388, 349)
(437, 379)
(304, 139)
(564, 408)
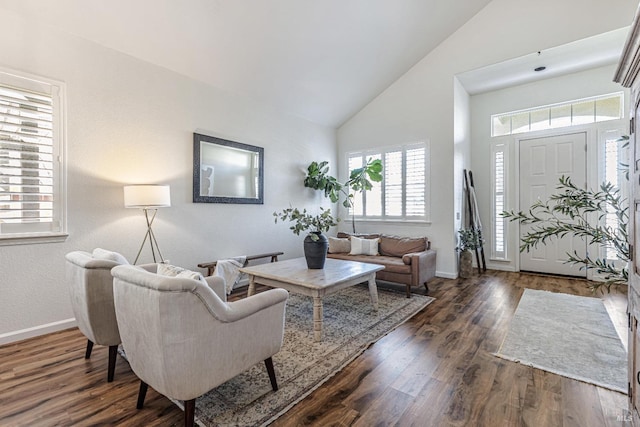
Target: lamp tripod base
(151, 237)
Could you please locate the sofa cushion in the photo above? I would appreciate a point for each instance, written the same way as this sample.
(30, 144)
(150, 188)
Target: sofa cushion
(398, 246)
(363, 246)
(337, 246)
(391, 264)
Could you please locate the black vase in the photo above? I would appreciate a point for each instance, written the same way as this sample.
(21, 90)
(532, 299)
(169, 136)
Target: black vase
(315, 252)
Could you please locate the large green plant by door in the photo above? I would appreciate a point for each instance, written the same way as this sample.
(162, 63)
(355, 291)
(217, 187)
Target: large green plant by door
(579, 212)
(360, 180)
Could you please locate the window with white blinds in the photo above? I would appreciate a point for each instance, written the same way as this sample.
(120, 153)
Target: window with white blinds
(499, 176)
(31, 179)
(403, 194)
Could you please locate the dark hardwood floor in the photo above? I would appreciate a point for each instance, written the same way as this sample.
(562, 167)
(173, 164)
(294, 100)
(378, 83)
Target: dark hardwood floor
(435, 370)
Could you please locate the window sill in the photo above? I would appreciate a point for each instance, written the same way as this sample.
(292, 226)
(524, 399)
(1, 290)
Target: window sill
(32, 239)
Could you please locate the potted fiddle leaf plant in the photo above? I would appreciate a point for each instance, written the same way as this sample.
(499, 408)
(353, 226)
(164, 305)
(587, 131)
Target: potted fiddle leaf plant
(318, 178)
(360, 180)
(469, 240)
(315, 243)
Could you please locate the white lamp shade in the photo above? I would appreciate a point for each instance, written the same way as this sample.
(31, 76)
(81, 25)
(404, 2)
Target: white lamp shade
(147, 196)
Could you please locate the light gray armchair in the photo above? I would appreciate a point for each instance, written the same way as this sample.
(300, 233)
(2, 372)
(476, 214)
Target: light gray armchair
(91, 291)
(183, 340)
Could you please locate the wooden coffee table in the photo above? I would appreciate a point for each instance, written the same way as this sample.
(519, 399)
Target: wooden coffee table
(294, 276)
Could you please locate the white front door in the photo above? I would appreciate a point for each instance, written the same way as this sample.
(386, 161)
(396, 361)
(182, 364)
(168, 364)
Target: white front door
(542, 162)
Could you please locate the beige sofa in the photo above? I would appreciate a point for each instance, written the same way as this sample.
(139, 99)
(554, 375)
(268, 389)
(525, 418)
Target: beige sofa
(407, 260)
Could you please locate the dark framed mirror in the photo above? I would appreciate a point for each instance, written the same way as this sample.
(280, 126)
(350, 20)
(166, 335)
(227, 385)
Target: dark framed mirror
(227, 171)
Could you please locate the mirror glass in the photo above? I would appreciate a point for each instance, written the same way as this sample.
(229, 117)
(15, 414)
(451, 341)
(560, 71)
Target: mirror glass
(226, 171)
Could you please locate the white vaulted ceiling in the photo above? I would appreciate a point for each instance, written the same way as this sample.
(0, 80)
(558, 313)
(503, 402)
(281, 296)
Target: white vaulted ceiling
(596, 51)
(320, 60)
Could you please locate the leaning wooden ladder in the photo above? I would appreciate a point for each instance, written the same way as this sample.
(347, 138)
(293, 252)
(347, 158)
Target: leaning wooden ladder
(474, 217)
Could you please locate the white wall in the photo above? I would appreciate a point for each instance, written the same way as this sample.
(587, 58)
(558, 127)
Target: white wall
(420, 105)
(132, 122)
(461, 153)
(593, 82)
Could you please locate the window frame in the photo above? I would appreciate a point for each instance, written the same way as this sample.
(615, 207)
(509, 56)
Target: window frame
(574, 119)
(57, 90)
(604, 136)
(499, 147)
(597, 134)
(380, 152)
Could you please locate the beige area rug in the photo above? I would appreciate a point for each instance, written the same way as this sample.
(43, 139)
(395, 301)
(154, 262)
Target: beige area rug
(350, 326)
(567, 335)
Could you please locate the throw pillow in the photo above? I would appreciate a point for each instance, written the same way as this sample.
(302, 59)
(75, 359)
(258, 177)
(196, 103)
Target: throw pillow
(168, 270)
(364, 246)
(109, 256)
(173, 271)
(343, 235)
(338, 246)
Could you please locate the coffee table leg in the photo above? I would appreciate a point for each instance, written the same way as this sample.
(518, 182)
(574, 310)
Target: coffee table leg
(252, 286)
(373, 291)
(317, 319)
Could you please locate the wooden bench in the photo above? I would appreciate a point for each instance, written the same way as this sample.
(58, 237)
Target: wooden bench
(211, 266)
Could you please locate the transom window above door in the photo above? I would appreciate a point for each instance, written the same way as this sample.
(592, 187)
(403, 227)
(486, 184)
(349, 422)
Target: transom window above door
(571, 113)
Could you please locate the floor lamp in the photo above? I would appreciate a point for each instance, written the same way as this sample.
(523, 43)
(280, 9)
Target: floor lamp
(148, 198)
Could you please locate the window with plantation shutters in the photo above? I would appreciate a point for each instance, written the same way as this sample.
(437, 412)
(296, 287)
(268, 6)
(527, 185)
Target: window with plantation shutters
(403, 193)
(415, 173)
(393, 183)
(613, 168)
(499, 174)
(31, 178)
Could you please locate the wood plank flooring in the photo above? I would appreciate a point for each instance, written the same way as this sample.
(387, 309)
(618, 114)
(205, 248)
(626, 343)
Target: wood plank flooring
(435, 370)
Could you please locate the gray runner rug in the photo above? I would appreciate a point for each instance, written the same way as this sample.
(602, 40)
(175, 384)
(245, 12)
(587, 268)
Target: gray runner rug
(350, 326)
(567, 335)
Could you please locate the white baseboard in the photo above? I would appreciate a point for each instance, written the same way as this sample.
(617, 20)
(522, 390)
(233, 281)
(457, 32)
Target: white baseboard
(35, 331)
(501, 267)
(446, 275)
